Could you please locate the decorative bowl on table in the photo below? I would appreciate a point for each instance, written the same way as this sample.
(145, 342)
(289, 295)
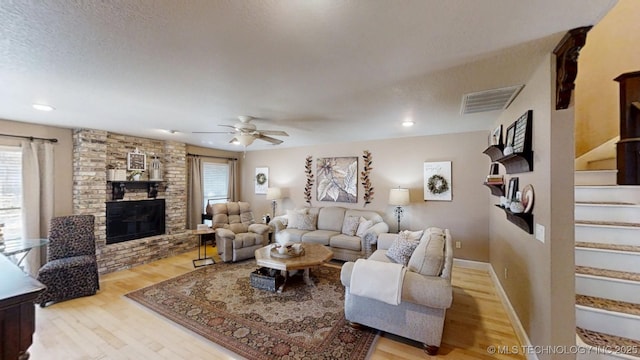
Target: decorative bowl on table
(287, 250)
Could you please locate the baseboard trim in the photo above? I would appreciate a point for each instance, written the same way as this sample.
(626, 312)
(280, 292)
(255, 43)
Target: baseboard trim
(472, 264)
(511, 313)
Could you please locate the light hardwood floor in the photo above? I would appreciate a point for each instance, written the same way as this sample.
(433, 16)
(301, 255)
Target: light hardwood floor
(109, 326)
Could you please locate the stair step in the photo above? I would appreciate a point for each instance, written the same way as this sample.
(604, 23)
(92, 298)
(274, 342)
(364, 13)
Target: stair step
(608, 233)
(585, 270)
(613, 317)
(605, 246)
(596, 177)
(624, 261)
(609, 305)
(600, 211)
(607, 193)
(609, 342)
(609, 284)
(603, 203)
(609, 223)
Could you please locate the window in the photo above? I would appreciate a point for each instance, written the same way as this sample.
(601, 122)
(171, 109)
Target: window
(215, 183)
(11, 191)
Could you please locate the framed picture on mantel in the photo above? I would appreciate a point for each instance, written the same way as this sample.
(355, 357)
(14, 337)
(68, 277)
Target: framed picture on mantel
(136, 161)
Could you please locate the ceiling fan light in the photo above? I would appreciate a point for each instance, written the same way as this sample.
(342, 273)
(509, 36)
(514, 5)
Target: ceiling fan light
(245, 140)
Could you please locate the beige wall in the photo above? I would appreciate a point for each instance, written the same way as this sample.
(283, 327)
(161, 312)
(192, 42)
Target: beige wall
(63, 201)
(611, 49)
(396, 162)
(539, 281)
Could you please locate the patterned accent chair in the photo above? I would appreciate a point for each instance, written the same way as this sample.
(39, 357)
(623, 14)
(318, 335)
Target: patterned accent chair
(71, 270)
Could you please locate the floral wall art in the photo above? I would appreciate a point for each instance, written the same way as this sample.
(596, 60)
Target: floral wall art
(437, 180)
(337, 179)
(308, 170)
(364, 177)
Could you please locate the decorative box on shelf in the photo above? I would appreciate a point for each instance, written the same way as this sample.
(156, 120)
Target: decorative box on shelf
(266, 279)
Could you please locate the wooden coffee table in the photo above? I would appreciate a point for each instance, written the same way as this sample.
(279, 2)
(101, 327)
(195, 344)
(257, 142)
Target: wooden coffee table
(314, 255)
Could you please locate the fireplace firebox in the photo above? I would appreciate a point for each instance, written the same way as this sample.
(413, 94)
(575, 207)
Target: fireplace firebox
(129, 220)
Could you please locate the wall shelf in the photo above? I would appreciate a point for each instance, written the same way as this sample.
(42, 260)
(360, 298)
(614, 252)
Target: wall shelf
(514, 163)
(522, 220)
(517, 163)
(494, 152)
(119, 188)
(496, 189)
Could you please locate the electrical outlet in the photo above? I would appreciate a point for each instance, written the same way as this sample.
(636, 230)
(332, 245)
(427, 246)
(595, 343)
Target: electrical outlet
(458, 244)
(506, 273)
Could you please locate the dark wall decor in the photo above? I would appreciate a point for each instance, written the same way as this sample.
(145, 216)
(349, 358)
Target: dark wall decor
(567, 52)
(309, 172)
(520, 138)
(364, 177)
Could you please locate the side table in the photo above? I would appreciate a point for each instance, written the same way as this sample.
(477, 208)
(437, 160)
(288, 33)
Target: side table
(203, 260)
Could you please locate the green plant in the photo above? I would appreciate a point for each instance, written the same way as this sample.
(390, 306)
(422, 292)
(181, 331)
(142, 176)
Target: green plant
(134, 173)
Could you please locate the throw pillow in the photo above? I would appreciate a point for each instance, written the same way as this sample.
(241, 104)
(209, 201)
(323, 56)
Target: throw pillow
(350, 225)
(428, 258)
(306, 221)
(401, 250)
(411, 235)
(292, 219)
(363, 226)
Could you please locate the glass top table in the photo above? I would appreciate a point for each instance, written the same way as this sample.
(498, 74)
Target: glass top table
(19, 248)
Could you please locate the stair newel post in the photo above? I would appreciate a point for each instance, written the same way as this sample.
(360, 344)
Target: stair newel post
(628, 148)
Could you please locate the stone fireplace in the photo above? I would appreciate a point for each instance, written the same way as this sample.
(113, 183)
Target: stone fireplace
(93, 150)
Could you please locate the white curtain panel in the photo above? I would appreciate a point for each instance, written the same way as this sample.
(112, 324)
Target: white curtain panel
(37, 198)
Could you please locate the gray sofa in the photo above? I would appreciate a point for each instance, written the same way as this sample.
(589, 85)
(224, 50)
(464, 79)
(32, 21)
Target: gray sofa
(327, 226)
(237, 234)
(424, 298)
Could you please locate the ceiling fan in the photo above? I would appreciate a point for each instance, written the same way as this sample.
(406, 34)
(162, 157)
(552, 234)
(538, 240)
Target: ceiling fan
(245, 132)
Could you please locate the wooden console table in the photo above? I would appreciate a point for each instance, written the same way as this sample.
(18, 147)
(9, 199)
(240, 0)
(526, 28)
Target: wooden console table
(17, 310)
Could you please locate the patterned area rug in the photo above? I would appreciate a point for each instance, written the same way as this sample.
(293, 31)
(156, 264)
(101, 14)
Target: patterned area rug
(303, 322)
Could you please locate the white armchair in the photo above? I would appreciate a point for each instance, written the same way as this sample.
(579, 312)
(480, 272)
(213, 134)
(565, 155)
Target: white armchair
(425, 294)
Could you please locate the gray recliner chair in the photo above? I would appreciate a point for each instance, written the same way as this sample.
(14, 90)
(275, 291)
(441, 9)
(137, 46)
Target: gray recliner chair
(238, 236)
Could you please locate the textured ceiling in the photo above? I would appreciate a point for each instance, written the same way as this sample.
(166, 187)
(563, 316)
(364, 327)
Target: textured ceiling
(324, 71)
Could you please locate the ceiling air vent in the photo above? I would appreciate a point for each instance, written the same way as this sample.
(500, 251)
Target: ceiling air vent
(489, 100)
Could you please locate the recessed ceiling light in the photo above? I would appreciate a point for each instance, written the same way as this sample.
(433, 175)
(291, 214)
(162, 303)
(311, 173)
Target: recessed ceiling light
(43, 107)
(408, 123)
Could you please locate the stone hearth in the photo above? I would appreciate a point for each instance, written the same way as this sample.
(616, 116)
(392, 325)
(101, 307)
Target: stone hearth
(93, 150)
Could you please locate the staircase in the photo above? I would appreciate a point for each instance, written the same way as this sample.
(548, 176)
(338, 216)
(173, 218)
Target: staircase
(607, 257)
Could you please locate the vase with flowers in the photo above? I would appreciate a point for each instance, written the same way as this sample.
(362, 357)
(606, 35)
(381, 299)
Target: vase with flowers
(135, 175)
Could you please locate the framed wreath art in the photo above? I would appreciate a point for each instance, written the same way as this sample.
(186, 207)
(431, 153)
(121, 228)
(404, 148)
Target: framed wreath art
(437, 184)
(437, 181)
(262, 180)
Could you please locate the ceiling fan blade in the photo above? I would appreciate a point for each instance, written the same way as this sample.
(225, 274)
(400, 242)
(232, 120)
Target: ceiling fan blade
(213, 132)
(270, 139)
(273, 132)
(229, 126)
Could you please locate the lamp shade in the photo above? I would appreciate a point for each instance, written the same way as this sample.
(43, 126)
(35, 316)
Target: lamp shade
(274, 193)
(399, 197)
(245, 140)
